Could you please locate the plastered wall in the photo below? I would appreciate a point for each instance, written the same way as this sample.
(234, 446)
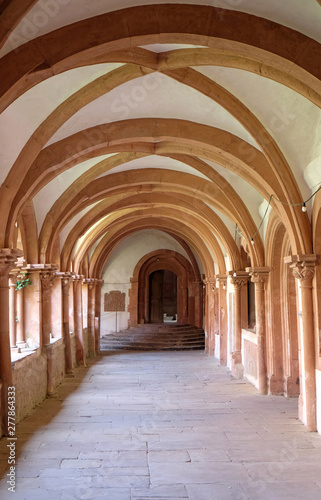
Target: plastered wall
(120, 268)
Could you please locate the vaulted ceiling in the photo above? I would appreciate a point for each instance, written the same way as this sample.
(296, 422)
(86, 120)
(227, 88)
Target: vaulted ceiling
(185, 117)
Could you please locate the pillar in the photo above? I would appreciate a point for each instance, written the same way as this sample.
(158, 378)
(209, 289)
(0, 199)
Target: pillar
(78, 323)
(8, 257)
(91, 299)
(259, 276)
(303, 268)
(133, 303)
(21, 336)
(31, 295)
(65, 285)
(210, 284)
(98, 285)
(198, 294)
(47, 277)
(13, 310)
(238, 282)
(222, 281)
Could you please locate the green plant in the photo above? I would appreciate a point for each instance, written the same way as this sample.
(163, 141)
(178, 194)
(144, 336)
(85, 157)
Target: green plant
(23, 281)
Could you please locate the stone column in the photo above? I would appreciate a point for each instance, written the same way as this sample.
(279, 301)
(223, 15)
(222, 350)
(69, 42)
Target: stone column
(222, 280)
(13, 310)
(91, 299)
(98, 286)
(66, 280)
(303, 267)
(21, 336)
(78, 323)
(198, 293)
(47, 277)
(8, 257)
(133, 303)
(184, 295)
(259, 276)
(238, 282)
(210, 284)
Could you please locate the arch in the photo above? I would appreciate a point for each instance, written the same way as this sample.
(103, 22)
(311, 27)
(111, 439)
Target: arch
(11, 14)
(154, 200)
(199, 25)
(173, 228)
(189, 297)
(282, 333)
(186, 76)
(242, 158)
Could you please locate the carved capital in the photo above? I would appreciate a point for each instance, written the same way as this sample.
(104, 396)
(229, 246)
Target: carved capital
(78, 278)
(66, 279)
(90, 282)
(47, 278)
(303, 271)
(259, 275)
(8, 259)
(239, 280)
(210, 284)
(222, 280)
(303, 266)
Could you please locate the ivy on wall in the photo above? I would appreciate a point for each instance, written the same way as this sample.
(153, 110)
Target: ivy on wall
(22, 281)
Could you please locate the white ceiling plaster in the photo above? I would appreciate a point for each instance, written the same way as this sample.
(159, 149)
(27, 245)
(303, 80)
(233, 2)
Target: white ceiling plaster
(63, 235)
(154, 161)
(23, 117)
(155, 95)
(122, 262)
(292, 120)
(158, 48)
(49, 15)
(47, 196)
(249, 195)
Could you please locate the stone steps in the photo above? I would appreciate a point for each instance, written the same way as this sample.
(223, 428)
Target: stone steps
(163, 337)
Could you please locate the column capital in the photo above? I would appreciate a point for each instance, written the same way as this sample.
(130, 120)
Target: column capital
(239, 280)
(47, 276)
(210, 282)
(303, 265)
(8, 259)
(222, 280)
(91, 282)
(78, 277)
(34, 268)
(65, 277)
(259, 275)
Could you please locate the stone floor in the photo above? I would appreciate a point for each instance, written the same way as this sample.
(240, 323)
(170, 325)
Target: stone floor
(147, 426)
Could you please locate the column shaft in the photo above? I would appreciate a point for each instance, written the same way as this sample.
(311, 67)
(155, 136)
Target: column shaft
(65, 283)
(303, 267)
(7, 260)
(78, 324)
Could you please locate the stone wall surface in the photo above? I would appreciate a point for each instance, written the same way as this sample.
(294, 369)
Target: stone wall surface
(30, 381)
(58, 362)
(318, 384)
(73, 350)
(249, 356)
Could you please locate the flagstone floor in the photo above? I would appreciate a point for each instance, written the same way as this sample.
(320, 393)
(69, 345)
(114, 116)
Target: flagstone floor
(165, 426)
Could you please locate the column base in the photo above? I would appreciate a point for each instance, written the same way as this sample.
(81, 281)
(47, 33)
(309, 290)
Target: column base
(236, 364)
(276, 386)
(292, 387)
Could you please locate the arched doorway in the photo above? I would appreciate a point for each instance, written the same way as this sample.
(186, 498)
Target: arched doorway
(188, 289)
(162, 296)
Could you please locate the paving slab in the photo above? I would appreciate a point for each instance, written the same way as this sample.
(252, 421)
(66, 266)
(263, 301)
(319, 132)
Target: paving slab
(163, 426)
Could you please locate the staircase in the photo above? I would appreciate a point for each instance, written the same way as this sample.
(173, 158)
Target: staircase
(155, 337)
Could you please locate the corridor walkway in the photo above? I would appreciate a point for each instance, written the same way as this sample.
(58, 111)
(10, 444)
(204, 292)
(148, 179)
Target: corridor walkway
(143, 426)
